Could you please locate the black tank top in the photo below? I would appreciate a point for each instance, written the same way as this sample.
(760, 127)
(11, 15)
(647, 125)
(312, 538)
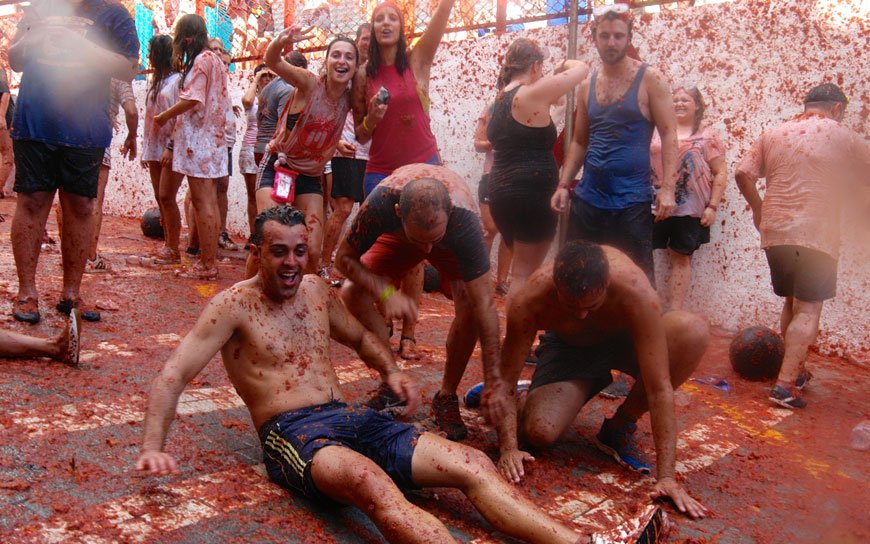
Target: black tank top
(521, 154)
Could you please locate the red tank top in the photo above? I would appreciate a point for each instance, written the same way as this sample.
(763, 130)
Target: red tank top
(403, 136)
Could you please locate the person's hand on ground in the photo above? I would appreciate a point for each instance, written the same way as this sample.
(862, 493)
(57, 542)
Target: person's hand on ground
(510, 465)
(670, 489)
(157, 462)
(407, 389)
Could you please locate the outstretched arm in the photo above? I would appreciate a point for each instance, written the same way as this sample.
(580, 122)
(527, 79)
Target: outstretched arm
(300, 78)
(344, 328)
(549, 89)
(211, 332)
(424, 52)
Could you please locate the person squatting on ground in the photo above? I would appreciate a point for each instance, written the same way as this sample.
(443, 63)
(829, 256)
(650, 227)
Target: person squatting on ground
(348, 171)
(600, 313)
(700, 185)
(273, 331)
(198, 144)
(247, 164)
(68, 52)
(811, 163)
(162, 94)
(403, 117)
(503, 258)
(524, 173)
(423, 212)
(308, 131)
(617, 109)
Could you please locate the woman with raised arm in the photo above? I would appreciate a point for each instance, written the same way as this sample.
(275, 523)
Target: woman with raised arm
(524, 174)
(701, 179)
(308, 132)
(396, 120)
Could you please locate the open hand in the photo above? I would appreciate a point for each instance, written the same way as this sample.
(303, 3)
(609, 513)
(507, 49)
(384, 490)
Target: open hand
(510, 465)
(157, 463)
(668, 488)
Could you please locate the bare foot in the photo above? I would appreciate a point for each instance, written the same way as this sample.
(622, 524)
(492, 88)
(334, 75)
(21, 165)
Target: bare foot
(69, 341)
(167, 255)
(197, 272)
(408, 348)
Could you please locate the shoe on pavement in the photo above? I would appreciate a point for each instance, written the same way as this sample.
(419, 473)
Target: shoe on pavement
(787, 399)
(447, 416)
(26, 310)
(66, 305)
(618, 443)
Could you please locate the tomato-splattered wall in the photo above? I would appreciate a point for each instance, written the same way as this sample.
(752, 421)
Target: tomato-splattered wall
(753, 60)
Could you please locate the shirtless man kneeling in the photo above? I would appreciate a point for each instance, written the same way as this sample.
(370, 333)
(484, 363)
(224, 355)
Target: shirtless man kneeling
(600, 313)
(273, 331)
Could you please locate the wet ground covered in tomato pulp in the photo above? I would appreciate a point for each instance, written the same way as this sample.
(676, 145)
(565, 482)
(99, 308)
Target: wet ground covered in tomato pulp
(70, 436)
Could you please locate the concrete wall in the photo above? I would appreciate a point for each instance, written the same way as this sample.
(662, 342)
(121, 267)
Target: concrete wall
(753, 60)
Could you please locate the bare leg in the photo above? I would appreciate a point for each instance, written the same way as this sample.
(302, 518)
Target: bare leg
(351, 478)
(547, 411)
(680, 279)
(340, 213)
(688, 336)
(505, 255)
(204, 195)
(13, 344)
(786, 315)
(460, 340)
(526, 259)
(311, 205)
(800, 334)
(489, 228)
(412, 287)
(7, 159)
(28, 226)
(251, 188)
(223, 201)
(97, 221)
(190, 218)
(169, 213)
(75, 238)
(437, 462)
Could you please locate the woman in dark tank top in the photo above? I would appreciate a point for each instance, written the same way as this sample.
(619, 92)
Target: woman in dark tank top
(524, 172)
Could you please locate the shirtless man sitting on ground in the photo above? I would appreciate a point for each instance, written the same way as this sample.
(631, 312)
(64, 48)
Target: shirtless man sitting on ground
(273, 331)
(600, 313)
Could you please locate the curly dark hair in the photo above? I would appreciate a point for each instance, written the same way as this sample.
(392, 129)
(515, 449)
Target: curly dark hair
(284, 214)
(580, 268)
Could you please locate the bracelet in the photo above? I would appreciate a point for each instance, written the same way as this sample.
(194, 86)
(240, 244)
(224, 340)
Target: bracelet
(388, 291)
(365, 126)
(393, 371)
(712, 207)
(169, 145)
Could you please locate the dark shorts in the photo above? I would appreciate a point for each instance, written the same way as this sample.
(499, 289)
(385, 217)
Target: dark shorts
(290, 441)
(523, 217)
(373, 179)
(347, 178)
(629, 230)
(681, 234)
(805, 274)
(305, 185)
(46, 167)
(559, 361)
(483, 190)
(393, 257)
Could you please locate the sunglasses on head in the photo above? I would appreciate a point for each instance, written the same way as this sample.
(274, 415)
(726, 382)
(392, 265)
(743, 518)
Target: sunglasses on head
(619, 9)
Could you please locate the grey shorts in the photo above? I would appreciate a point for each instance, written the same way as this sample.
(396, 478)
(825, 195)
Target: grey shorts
(559, 361)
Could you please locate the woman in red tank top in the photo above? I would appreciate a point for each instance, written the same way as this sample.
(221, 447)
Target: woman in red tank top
(405, 117)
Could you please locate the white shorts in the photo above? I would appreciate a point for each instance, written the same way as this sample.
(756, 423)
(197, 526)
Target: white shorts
(247, 165)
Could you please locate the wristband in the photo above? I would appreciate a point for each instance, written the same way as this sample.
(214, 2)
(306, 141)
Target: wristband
(365, 126)
(570, 186)
(169, 145)
(393, 371)
(388, 291)
(712, 207)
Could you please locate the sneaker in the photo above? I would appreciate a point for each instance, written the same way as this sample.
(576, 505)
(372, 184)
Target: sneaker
(98, 265)
(26, 310)
(803, 378)
(447, 416)
(323, 272)
(472, 397)
(192, 250)
(66, 305)
(618, 388)
(384, 399)
(783, 397)
(648, 528)
(618, 444)
(225, 242)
